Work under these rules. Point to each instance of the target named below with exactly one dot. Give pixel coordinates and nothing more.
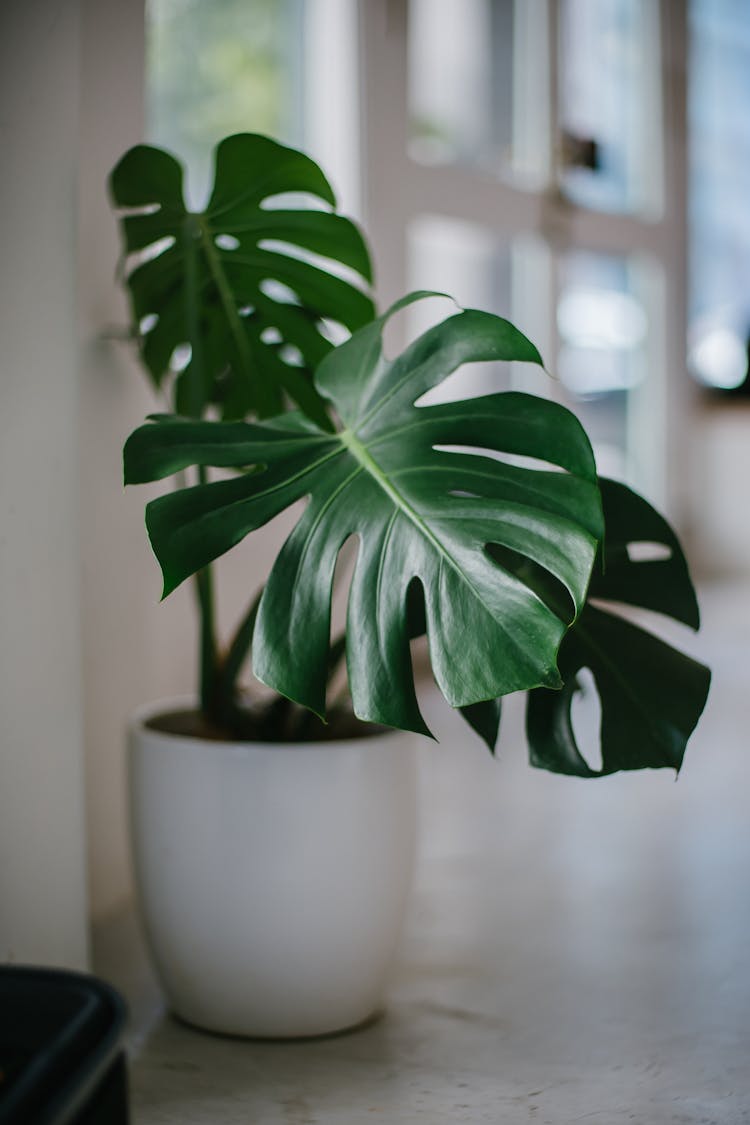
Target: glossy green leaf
(423, 515)
(651, 695)
(232, 285)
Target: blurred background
(580, 166)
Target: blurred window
(534, 182)
(461, 71)
(610, 137)
(478, 97)
(719, 285)
(603, 327)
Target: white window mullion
(680, 391)
(534, 91)
(385, 173)
(534, 299)
(330, 101)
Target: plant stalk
(208, 673)
(204, 588)
(228, 668)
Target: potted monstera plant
(273, 839)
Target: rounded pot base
(272, 877)
(260, 1037)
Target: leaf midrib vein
(363, 456)
(379, 580)
(227, 300)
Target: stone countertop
(575, 951)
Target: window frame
(396, 189)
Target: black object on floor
(61, 1055)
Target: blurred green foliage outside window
(215, 67)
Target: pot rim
(137, 724)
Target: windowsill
(573, 948)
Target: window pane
(719, 283)
(220, 67)
(603, 329)
(470, 101)
(609, 103)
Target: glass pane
(468, 89)
(603, 329)
(609, 104)
(471, 265)
(212, 69)
(719, 279)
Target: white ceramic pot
(273, 877)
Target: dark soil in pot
(277, 721)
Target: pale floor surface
(576, 951)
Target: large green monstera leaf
(230, 285)
(651, 695)
(422, 513)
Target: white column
(331, 96)
(42, 858)
(121, 618)
(383, 120)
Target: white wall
(82, 641)
(119, 583)
(42, 866)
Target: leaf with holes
(421, 514)
(235, 287)
(651, 694)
